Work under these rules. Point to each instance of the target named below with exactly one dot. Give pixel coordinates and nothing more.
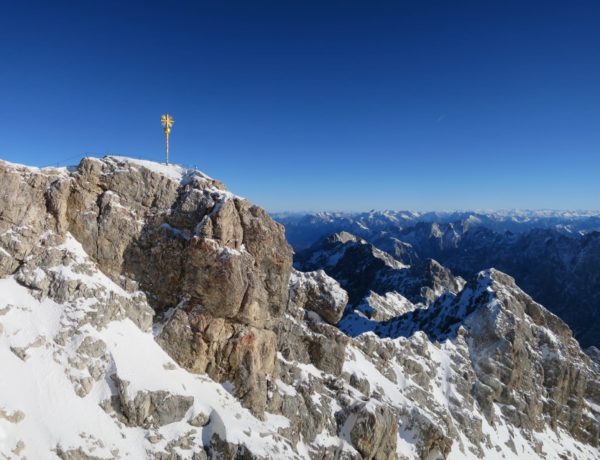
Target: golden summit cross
(167, 122)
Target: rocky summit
(146, 312)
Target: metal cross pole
(167, 122)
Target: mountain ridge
(150, 313)
(557, 266)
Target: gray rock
(152, 408)
(434, 361)
(372, 430)
(320, 293)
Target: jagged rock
(12, 416)
(152, 408)
(303, 335)
(201, 419)
(383, 307)
(23, 212)
(221, 449)
(434, 442)
(594, 354)
(18, 447)
(320, 293)
(361, 269)
(361, 384)
(326, 347)
(104, 262)
(180, 236)
(402, 251)
(227, 351)
(372, 430)
(92, 348)
(75, 454)
(523, 350)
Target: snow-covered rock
(320, 293)
(79, 377)
(146, 312)
(553, 255)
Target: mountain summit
(148, 312)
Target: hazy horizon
(441, 211)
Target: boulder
(151, 408)
(318, 292)
(372, 429)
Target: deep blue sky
(303, 105)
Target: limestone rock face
(469, 365)
(320, 293)
(372, 430)
(175, 235)
(306, 333)
(162, 315)
(23, 212)
(229, 352)
(152, 408)
(525, 351)
(179, 236)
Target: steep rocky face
(553, 256)
(557, 269)
(523, 368)
(402, 251)
(521, 346)
(525, 359)
(146, 312)
(361, 268)
(306, 333)
(181, 238)
(83, 376)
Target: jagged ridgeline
(147, 312)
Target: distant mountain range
(304, 229)
(553, 255)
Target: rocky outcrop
(181, 238)
(372, 430)
(152, 408)
(241, 355)
(161, 315)
(526, 364)
(527, 360)
(383, 307)
(361, 269)
(95, 258)
(303, 335)
(320, 293)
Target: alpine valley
(146, 312)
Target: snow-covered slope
(147, 312)
(81, 376)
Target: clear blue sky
(302, 105)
